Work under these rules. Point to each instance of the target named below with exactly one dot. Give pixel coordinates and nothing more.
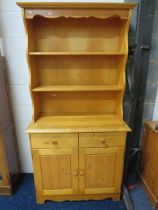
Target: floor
(24, 199)
(138, 196)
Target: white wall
(155, 114)
(12, 43)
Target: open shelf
(76, 36)
(78, 103)
(78, 53)
(97, 72)
(77, 88)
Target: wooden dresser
(77, 54)
(148, 169)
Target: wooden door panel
(101, 177)
(60, 176)
(100, 170)
(56, 171)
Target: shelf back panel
(76, 34)
(78, 70)
(78, 103)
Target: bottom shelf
(68, 124)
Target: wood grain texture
(109, 53)
(63, 5)
(69, 124)
(148, 162)
(54, 141)
(77, 35)
(105, 140)
(83, 71)
(65, 88)
(105, 174)
(78, 103)
(42, 198)
(83, 37)
(55, 169)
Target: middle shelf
(106, 53)
(50, 88)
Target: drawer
(46, 141)
(111, 139)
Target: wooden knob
(103, 141)
(54, 142)
(81, 172)
(75, 173)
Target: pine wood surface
(42, 198)
(69, 124)
(89, 37)
(148, 169)
(46, 5)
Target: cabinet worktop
(75, 124)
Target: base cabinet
(77, 166)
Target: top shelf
(77, 53)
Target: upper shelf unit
(77, 55)
(76, 36)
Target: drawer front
(46, 141)
(111, 139)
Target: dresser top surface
(68, 124)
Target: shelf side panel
(122, 79)
(31, 65)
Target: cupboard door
(100, 170)
(56, 171)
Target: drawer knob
(54, 142)
(103, 141)
(81, 172)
